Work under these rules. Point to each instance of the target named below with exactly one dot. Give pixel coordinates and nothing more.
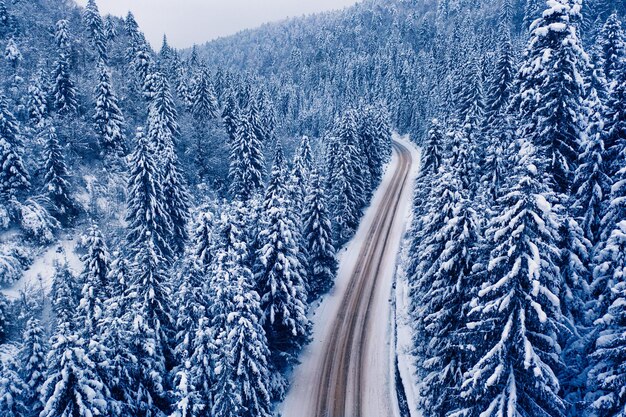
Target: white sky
(196, 21)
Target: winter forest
(171, 220)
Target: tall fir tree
(56, 184)
(108, 119)
(319, 244)
(517, 309)
(279, 274)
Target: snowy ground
(403, 326)
(380, 385)
(40, 273)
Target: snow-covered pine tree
(204, 104)
(242, 372)
(247, 163)
(14, 178)
(279, 273)
(551, 90)
(322, 259)
(148, 222)
(72, 386)
(446, 283)
(433, 153)
(12, 53)
(64, 294)
(13, 390)
(177, 199)
(612, 49)
(163, 126)
(94, 280)
(95, 29)
(62, 35)
(517, 309)
(614, 133)
(592, 185)
(605, 384)
(230, 116)
(38, 100)
(33, 366)
(108, 119)
(63, 88)
(56, 184)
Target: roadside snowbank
(404, 343)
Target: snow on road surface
(380, 383)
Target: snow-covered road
(347, 370)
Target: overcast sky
(196, 21)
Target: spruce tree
(108, 119)
(614, 133)
(319, 244)
(177, 200)
(230, 116)
(552, 117)
(33, 368)
(247, 163)
(146, 216)
(13, 391)
(72, 387)
(38, 100)
(64, 295)
(243, 374)
(278, 274)
(446, 282)
(204, 104)
(612, 49)
(63, 88)
(56, 176)
(517, 309)
(95, 28)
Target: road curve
(339, 387)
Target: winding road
(339, 385)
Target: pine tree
(204, 104)
(146, 216)
(72, 387)
(12, 53)
(607, 374)
(108, 119)
(95, 28)
(517, 308)
(63, 89)
(242, 369)
(95, 286)
(163, 127)
(278, 274)
(446, 282)
(56, 183)
(432, 155)
(38, 101)
(14, 179)
(247, 162)
(64, 294)
(318, 236)
(592, 185)
(62, 35)
(33, 369)
(177, 200)
(614, 133)
(230, 116)
(12, 391)
(612, 49)
(552, 116)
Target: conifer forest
(400, 208)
